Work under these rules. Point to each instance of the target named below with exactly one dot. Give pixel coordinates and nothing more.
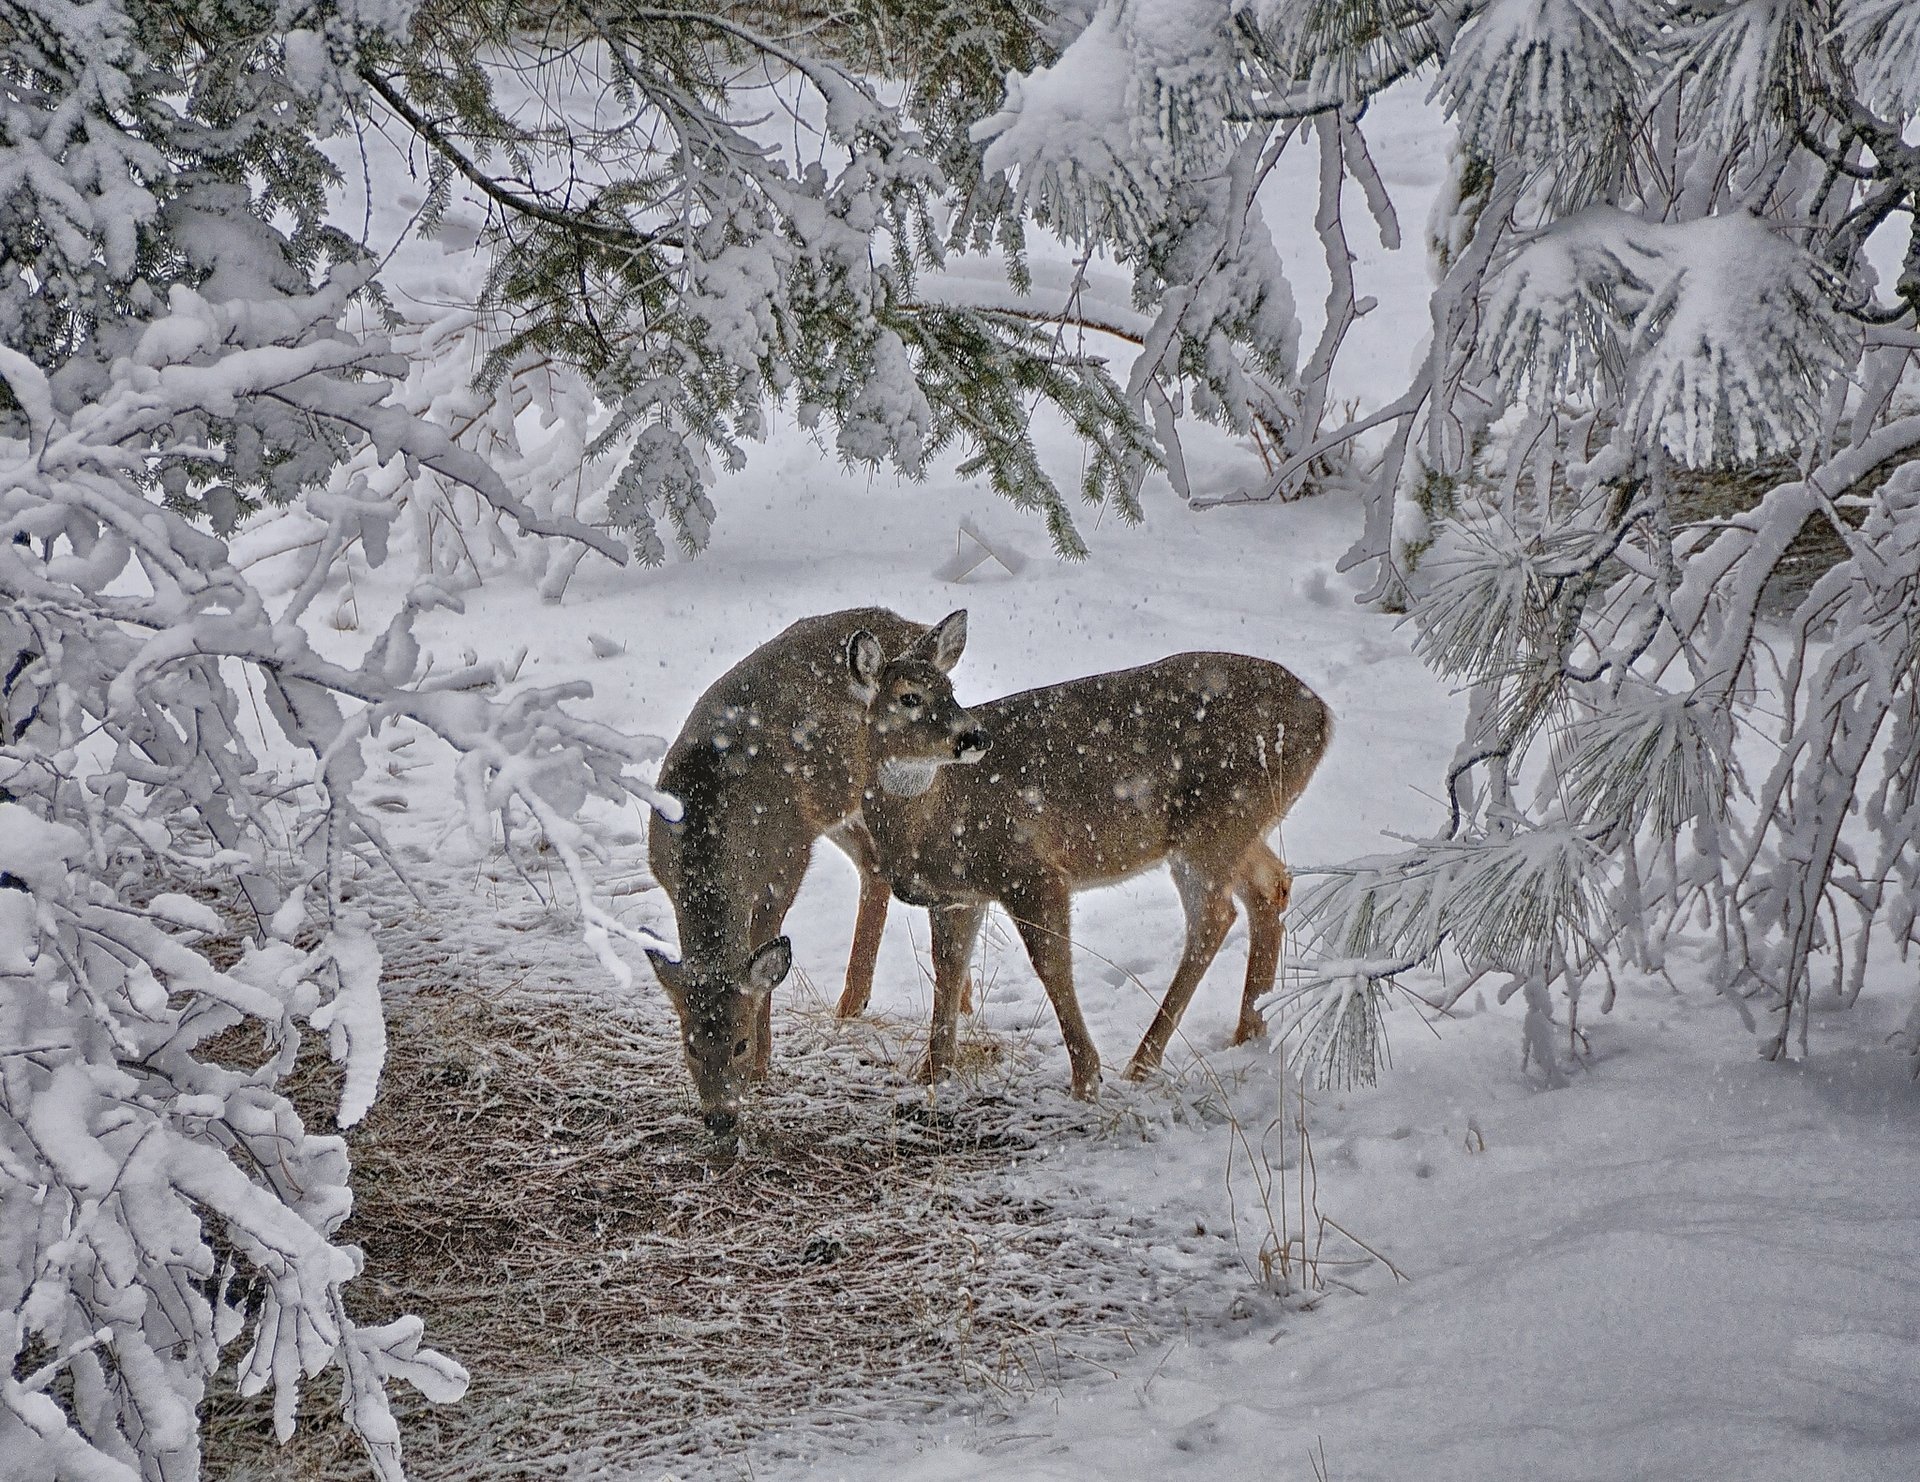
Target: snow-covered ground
(1685, 1263)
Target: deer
(1023, 801)
(769, 760)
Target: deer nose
(721, 1120)
(971, 745)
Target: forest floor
(1684, 1262)
(1680, 1263)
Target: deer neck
(900, 803)
(715, 915)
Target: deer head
(720, 1010)
(915, 726)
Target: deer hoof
(1146, 1059)
(1250, 1029)
(932, 1072)
(851, 1005)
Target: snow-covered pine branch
(1152, 134)
(1654, 285)
(1549, 84)
(1722, 338)
(175, 359)
(699, 262)
(1882, 41)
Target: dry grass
(534, 1182)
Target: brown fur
(770, 759)
(1191, 761)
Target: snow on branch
(1853, 707)
(158, 1208)
(1752, 72)
(1691, 701)
(1546, 82)
(1721, 335)
(1341, 52)
(1882, 42)
(1653, 760)
(1143, 136)
(1517, 902)
(1095, 140)
(1491, 594)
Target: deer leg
(857, 844)
(954, 930)
(1044, 917)
(1266, 887)
(1209, 907)
(769, 913)
(875, 893)
(867, 928)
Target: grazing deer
(769, 760)
(1191, 760)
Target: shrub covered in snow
(1652, 257)
(174, 310)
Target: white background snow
(1686, 1263)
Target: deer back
(1199, 755)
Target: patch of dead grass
(533, 1181)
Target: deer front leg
(868, 925)
(954, 930)
(867, 928)
(1044, 916)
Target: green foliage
(697, 272)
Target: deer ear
(768, 966)
(666, 970)
(865, 660)
(942, 644)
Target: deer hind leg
(1043, 915)
(1208, 900)
(954, 929)
(1265, 886)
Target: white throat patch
(907, 779)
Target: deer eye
(740, 1048)
(910, 701)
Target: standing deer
(1191, 760)
(770, 759)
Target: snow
(1677, 1267)
(1685, 1263)
(1681, 1263)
